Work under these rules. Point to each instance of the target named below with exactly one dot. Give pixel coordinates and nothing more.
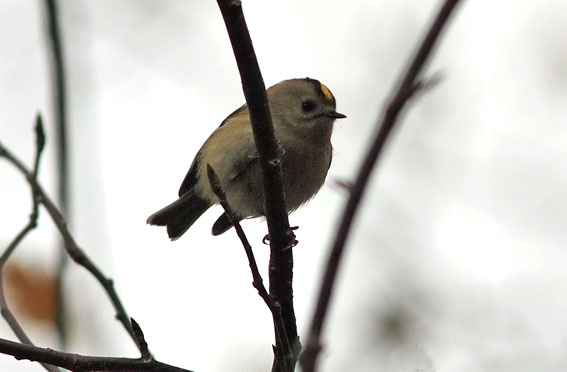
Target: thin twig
(40, 144)
(404, 91)
(71, 246)
(257, 280)
(281, 236)
(83, 363)
(59, 90)
(32, 223)
(141, 340)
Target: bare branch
(281, 236)
(141, 340)
(82, 363)
(32, 223)
(59, 89)
(40, 143)
(59, 96)
(39, 146)
(261, 120)
(51, 358)
(402, 93)
(71, 246)
(258, 282)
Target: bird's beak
(335, 115)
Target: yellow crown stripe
(326, 92)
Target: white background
(457, 259)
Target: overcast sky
(457, 259)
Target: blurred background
(457, 258)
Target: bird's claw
(266, 238)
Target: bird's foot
(266, 239)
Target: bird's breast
(304, 170)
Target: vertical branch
(59, 99)
(281, 237)
(407, 86)
(261, 120)
(258, 283)
(60, 102)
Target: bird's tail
(180, 215)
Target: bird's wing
(229, 127)
(191, 177)
(235, 113)
(244, 163)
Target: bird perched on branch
(303, 112)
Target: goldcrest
(303, 112)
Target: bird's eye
(308, 106)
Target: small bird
(303, 112)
